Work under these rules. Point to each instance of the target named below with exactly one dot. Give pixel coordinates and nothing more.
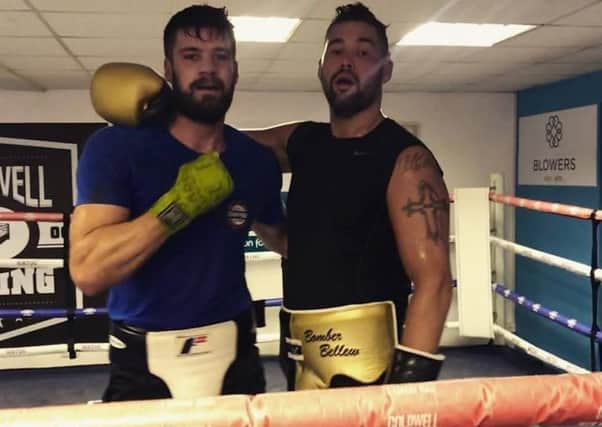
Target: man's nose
(207, 65)
(346, 62)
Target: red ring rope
(487, 402)
(548, 207)
(31, 216)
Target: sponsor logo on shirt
(237, 215)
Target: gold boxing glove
(128, 94)
(201, 185)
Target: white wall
(52, 106)
(472, 135)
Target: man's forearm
(275, 138)
(277, 242)
(426, 315)
(112, 253)
(274, 237)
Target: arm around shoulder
(273, 236)
(276, 138)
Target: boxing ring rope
(547, 207)
(592, 271)
(538, 353)
(548, 314)
(487, 402)
(262, 256)
(524, 345)
(52, 312)
(569, 265)
(546, 258)
(31, 263)
(15, 263)
(32, 216)
(570, 398)
(37, 350)
(542, 311)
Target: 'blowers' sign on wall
(559, 148)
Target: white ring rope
(273, 256)
(51, 349)
(31, 263)
(546, 258)
(532, 350)
(529, 348)
(538, 353)
(262, 256)
(543, 257)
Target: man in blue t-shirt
(163, 213)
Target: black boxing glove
(411, 365)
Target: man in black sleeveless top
(368, 215)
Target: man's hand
(200, 186)
(410, 365)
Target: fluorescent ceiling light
(254, 29)
(458, 34)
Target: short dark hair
(194, 19)
(360, 13)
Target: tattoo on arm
(431, 206)
(416, 161)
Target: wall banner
(559, 148)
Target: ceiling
(57, 44)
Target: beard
(210, 109)
(355, 100)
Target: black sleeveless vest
(341, 247)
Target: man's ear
(235, 71)
(319, 69)
(387, 69)
(168, 69)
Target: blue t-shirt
(197, 276)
